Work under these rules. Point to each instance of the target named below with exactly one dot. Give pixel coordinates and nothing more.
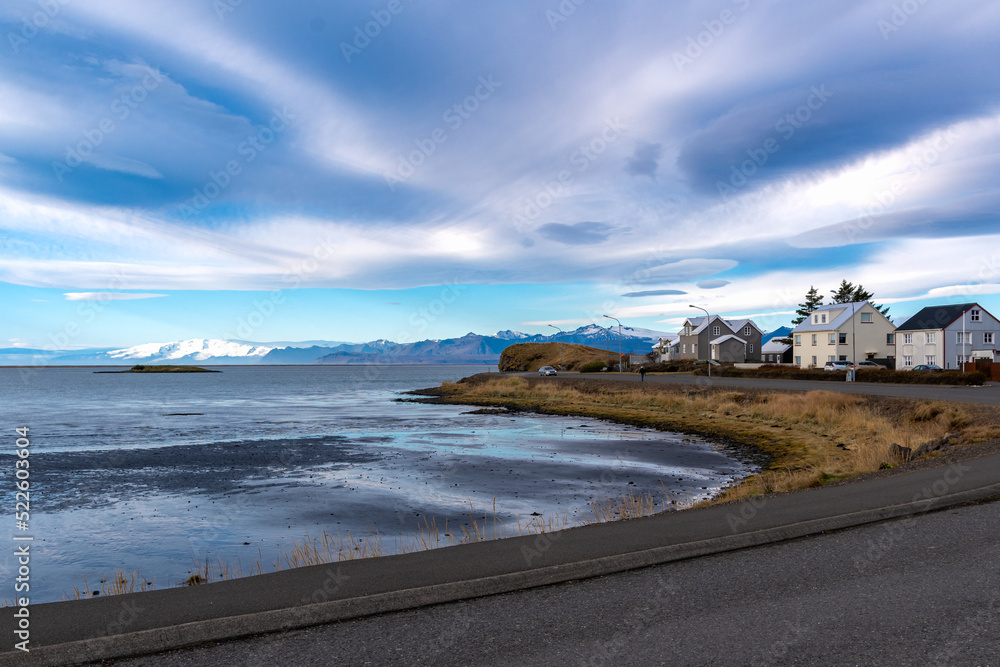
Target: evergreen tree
(813, 301)
(851, 293)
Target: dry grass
(812, 437)
(119, 583)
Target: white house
(667, 348)
(843, 332)
(948, 335)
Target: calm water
(153, 471)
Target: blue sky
(406, 170)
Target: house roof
(774, 347)
(700, 323)
(834, 324)
(936, 317)
(723, 339)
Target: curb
(235, 627)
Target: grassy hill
(532, 356)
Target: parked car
(547, 370)
(927, 367)
(838, 366)
(871, 365)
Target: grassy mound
(141, 368)
(523, 357)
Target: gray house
(948, 335)
(720, 339)
(776, 352)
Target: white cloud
(108, 296)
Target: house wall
(731, 351)
(869, 340)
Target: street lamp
(620, 364)
(560, 345)
(707, 318)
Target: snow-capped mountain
(471, 348)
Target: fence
(991, 369)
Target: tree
(851, 293)
(813, 301)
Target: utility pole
(708, 319)
(620, 364)
(560, 346)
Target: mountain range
(469, 349)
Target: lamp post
(707, 318)
(560, 346)
(620, 364)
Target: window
(843, 339)
(988, 338)
(694, 348)
(747, 331)
(907, 361)
(751, 348)
(814, 339)
(974, 315)
(866, 318)
(814, 361)
(930, 359)
(684, 348)
(815, 319)
(823, 318)
(962, 360)
(832, 339)
(832, 357)
(843, 357)
(930, 338)
(716, 330)
(798, 361)
(798, 339)
(907, 339)
(963, 338)
(890, 339)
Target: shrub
(593, 367)
(864, 375)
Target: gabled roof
(850, 308)
(936, 317)
(700, 323)
(723, 339)
(773, 346)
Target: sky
(408, 169)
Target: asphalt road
(987, 395)
(923, 590)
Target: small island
(140, 368)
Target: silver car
(547, 370)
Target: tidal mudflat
(159, 496)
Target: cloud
(108, 296)
(683, 271)
(656, 292)
(712, 284)
(580, 233)
(124, 165)
(644, 161)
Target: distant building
(776, 352)
(667, 348)
(841, 331)
(720, 339)
(948, 335)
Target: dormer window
(974, 315)
(823, 318)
